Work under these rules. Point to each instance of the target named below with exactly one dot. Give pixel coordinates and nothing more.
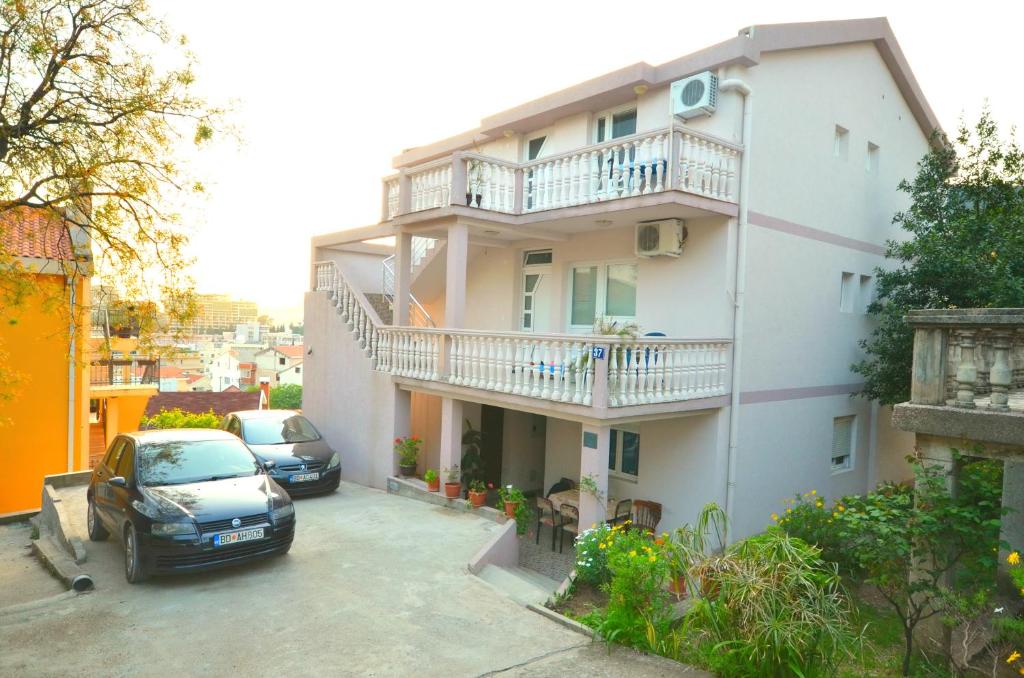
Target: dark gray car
(303, 461)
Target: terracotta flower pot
(452, 490)
(510, 508)
(434, 485)
(477, 498)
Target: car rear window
(192, 461)
(292, 428)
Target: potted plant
(474, 182)
(472, 463)
(433, 480)
(477, 493)
(452, 486)
(511, 497)
(408, 451)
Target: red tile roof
(292, 351)
(204, 401)
(33, 232)
(170, 372)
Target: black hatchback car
(303, 461)
(187, 499)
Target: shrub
(773, 607)
(178, 418)
(638, 602)
(286, 397)
(592, 555)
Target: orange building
(44, 392)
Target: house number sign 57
(597, 352)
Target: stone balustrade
(671, 158)
(968, 358)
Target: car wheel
(132, 562)
(96, 530)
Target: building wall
(34, 421)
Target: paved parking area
(22, 580)
(375, 585)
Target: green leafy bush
(592, 555)
(286, 397)
(178, 418)
(638, 601)
(771, 607)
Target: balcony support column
(403, 278)
(594, 463)
(451, 436)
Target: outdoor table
(572, 498)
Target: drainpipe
(743, 88)
(71, 379)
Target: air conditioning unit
(660, 238)
(695, 95)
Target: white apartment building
(733, 204)
(223, 370)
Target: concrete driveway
(375, 585)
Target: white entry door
(535, 313)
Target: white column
(403, 278)
(451, 435)
(594, 463)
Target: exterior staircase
(381, 305)
(524, 586)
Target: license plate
(237, 537)
(303, 477)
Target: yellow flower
(819, 504)
(775, 517)
(835, 515)
(1013, 558)
(593, 525)
(1013, 657)
(789, 510)
(829, 521)
(601, 545)
(814, 492)
(841, 508)
(652, 559)
(632, 554)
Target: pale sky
(326, 93)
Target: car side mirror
(269, 465)
(118, 481)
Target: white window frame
(601, 293)
(531, 269)
(851, 458)
(617, 472)
(608, 114)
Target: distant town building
(222, 313)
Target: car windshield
(288, 428)
(191, 461)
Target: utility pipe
(72, 364)
(735, 84)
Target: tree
(95, 100)
(286, 397)
(966, 250)
(297, 328)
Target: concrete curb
(55, 559)
(18, 517)
(570, 624)
(53, 518)
(17, 613)
(414, 488)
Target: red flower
(490, 486)
(398, 441)
(415, 439)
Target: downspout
(743, 88)
(71, 379)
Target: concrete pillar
(110, 424)
(403, 278)
(594, 463)
(1012, 524)
(451, 435)
(457, 255)
(402, 422)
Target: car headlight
(335, 460)
(282, 512)
(171, 529)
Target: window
(871, 165)
(280, 361)
(841, 143)
(125, 465)
(534, 148)
(847, 293)
(110, 460)
(298, 370)
(602, 290)
(624, 452)
(614, 124)
(867, 292)
(842, 443)
(536, 257)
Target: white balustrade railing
(707, 166)
(625, 167)
(351, 305)
(673, 158)
(431, 186)
(490, 184)
(655, 370)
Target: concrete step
(523, 586)
(380, 305)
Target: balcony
(583, 376)
(134, 374)
(968, 375)
(675, 158)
